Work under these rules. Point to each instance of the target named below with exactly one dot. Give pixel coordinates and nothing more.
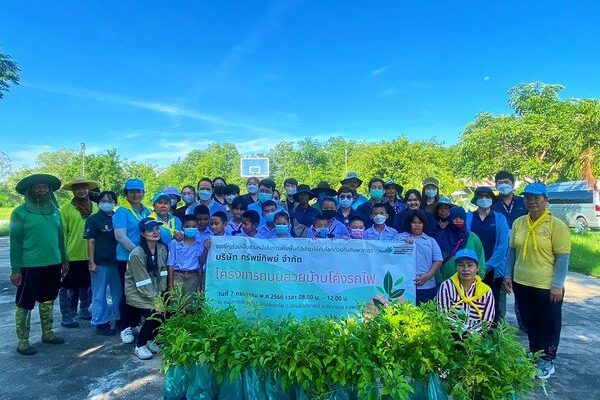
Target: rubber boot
(85, 299)
(46, 318)
(23, 324)
(66, 309)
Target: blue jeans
(106, 276)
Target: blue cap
(161, 196)
(172, 191)
(536, 189)
(351, 176)
(134, 184)
(466, 253)
(148, 223)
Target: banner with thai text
(307, 278)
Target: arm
(62, 240)
(498, 259)
(91, 245)
(561, 246)
(489, 310)
(17, 230)
(121, 236)
(204, 255)
(171, 266)
(510, 266)
(478, 248)
(141, 278)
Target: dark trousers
(542, 318)
(129, 317)
(38, 284)
(425, 295)
(495, 285)
(150, 326)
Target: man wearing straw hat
(37, 253)
(75, 288)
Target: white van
(575, 203)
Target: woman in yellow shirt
(537, 265)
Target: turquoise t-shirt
(125, 219)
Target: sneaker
(152, 346)
(127, 336)
(545, 369)
(142, 353)
(70, 324)
(52, 339)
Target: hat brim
(399, 188)
(24, 184)
(89, 183)
(330, 192)
(474, 199)
(467, 258)
(308, 192)
(345, 181)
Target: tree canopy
(9, 73)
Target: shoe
(142, 353)
(127, 336)
(153, 347)
(136, 330)
(546, 369)
(53, 339)
(27, 351)
(105, 330)
(70, 324)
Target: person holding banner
(183, 259)
(379, 230)
(326, 225)
(455, 238)
(125, 224)
(303, 214)
(428, 254)
(234, 225)
(282, 225)
(465, 291)
(145, 281)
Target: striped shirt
(450, 301)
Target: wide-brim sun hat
(430, 180)
(391, 182)
(303, 189)
(24, 184)
(351, 176)
(482, 190)
(443, 200)
(323, 187)
(81, 181)
(172, 191)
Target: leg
(46, 295)
(550, 322)
(114, 282)
(525, 301)
(99, 280)
(65, 301)
(25, 301)
(502, 302)
(122, 267)
(148, 331)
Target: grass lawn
(585, 254)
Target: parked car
(576, 203)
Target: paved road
(95, 367)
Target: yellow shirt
(536, 269)
(73, 225)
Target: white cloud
(487, 78)
(380, 70)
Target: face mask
(270, 217)
(204, 194)
(229, 198)
(190, 232)
(252, 189)
(377, 193)
(345, 203)
(322, 232)
(173, 202)
(430, 193)
(379, 219)
(106, 207)
(328, 214)
(484, 203)
(188, 198)
(219, 190)
(290, 191)
(282, 229)
(459, 225)
(505, 189)
(262, 197)
(357, 233)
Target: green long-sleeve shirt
(449, 267)
(36, 240)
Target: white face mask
(106, 206)
(484, 203)
(379, 219)
(505, 189)
(431, 193)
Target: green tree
(9, 73)
(106, 169)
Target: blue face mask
(262, 197)
(322, 232)
(505, 189)
(188, 198)
(282, 229)
(190, 232)
(270, 217)
(252, 189)
(345, 203)
(379, 219)
(106, 207)
(377, 193)
(431, 193)
(204, 194)
(229, 198)
(484, 203)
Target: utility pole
(82, 159)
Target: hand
(178, 236)
(92, 267)
(207, 244)
(422, 278)
(15, 278)
(556, 294)
(508, 285)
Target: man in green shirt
(37, 253)
(75, 288)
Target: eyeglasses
(345, 196)
(155, 228)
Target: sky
(156, 79)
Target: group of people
(466, 261)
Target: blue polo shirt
(337, 230)
(233, 229)
(265, 233)
(514, 210)
(213, 207)
(366, 209)
(386, 234)
(359, 201)
(124, 219)
(184, 257)
(258, 208)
